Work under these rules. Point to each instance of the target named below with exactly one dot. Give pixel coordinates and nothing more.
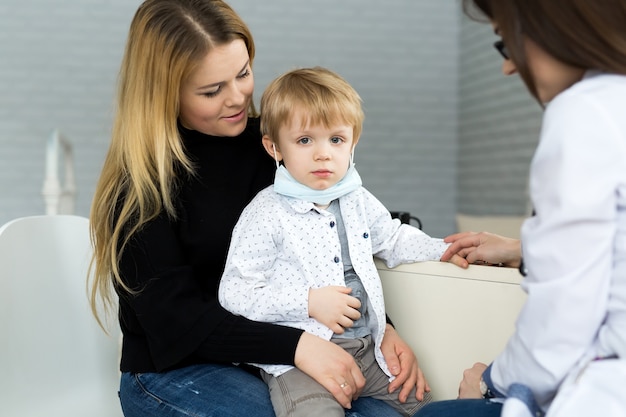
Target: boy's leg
(377, 384)
(295, 394)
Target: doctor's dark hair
(586, 34)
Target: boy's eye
(304, 141)
(336, 139)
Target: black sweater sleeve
(172, 320)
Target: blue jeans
(461, 408)
(212, 390)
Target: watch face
(483, 387)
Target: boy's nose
(322, 154)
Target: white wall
(60, 59)
(498, 129)
(401, 56)
(58, 64)
(444, 130)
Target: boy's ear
(270, 146)
(354, 143)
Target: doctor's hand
(333, 307)
(483, 248)
(470, 385)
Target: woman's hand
(470, 385)
(331, 366)
(483, 247)
(403, 365)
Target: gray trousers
(296, 394)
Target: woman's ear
(271, 148)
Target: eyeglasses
(500, 47)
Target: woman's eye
(304, 141)
(211, 93)
(245, 74)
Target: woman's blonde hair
(323, 96)
(166, 42)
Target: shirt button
(336, 259)
(332, 224)
(365, 235)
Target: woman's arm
(178, 317)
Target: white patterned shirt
(282, 246)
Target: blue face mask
(286, 185)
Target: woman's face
(550, 75)
(214, 99)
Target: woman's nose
(508, 67)
(235, 97)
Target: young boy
(302, 252)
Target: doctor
(568, 354)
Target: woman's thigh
(200, 390)
(461, 408)
(213, 391)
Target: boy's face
(315, 156)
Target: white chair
(54, 358)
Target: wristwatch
(484, 389)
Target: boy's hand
(333, 307)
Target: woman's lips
(236, 117)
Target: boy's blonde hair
(323, 96)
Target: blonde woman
(185, 158)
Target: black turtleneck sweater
(176, 319)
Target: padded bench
(452, 317)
